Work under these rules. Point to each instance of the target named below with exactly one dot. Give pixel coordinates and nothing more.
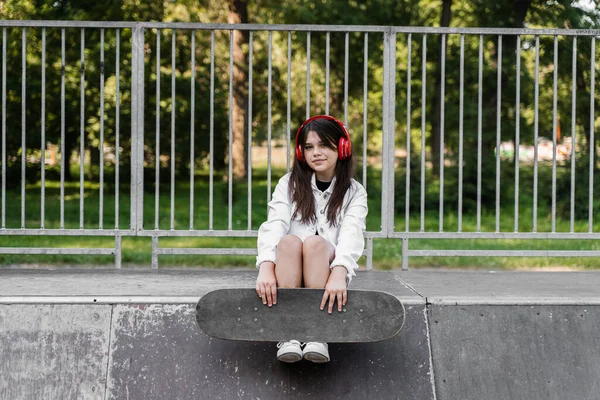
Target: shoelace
(281, 344)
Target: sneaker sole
(289, 357)
(315, 357)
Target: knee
(290, 244)
(315, 245)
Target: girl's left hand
(335, 289)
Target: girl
(314, 232)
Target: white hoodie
(346, 236)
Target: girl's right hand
(266, 284)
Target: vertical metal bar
(390, 133)
(327, 59)
(554, 106)
(442, 127)
(405, 254)
(592, 138)
(365, 108)
(307, 75)
(461, 114)
(249, 119)
(212, 132)
(573, 133)
(154, 252)
(137, 129)
(269, 113)
(118, 251)
(3, 128)
(346, 51)
(535, 131)
(117, 126)
(385, 132)
(408, 137)
(140, 128)
(498, 130)
(135, 53)
(479, 129)
(173, 107)
(43, 135)
(62, 129)
(369, 254)
(23, 120)
(82, 131)
(192, 129)
(423, 127)
(157, 137)
(230, 161)
(517, 132)
(289, 100)
(101, 149)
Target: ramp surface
(119, 334)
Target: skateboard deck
(239, 314)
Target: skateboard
(239, 314)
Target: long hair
(300, 190)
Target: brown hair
(300, 190)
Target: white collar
(313, 183)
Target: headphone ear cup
(344, 149)
(299, 155)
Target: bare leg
(288, 270)
(317, 254)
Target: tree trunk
(437, 100)
(238, 13)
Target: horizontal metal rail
(299, 28)
(57, 251)
(503, 253)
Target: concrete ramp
(157, 352)
(132, 335)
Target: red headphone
(344, 145)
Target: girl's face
(320, 157)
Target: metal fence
(440, 118)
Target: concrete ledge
(54, 351)
(516, 352)
(132, 334)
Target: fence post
(405, 254)
(389, 119)
(137, 129)
(155, 252)
(118, 250)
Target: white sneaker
(316, 352)
(289, 352)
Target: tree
(238, 14)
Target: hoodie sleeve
(351, 241)
(277, 224)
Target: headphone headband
(344, 144)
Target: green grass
(136, 251)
